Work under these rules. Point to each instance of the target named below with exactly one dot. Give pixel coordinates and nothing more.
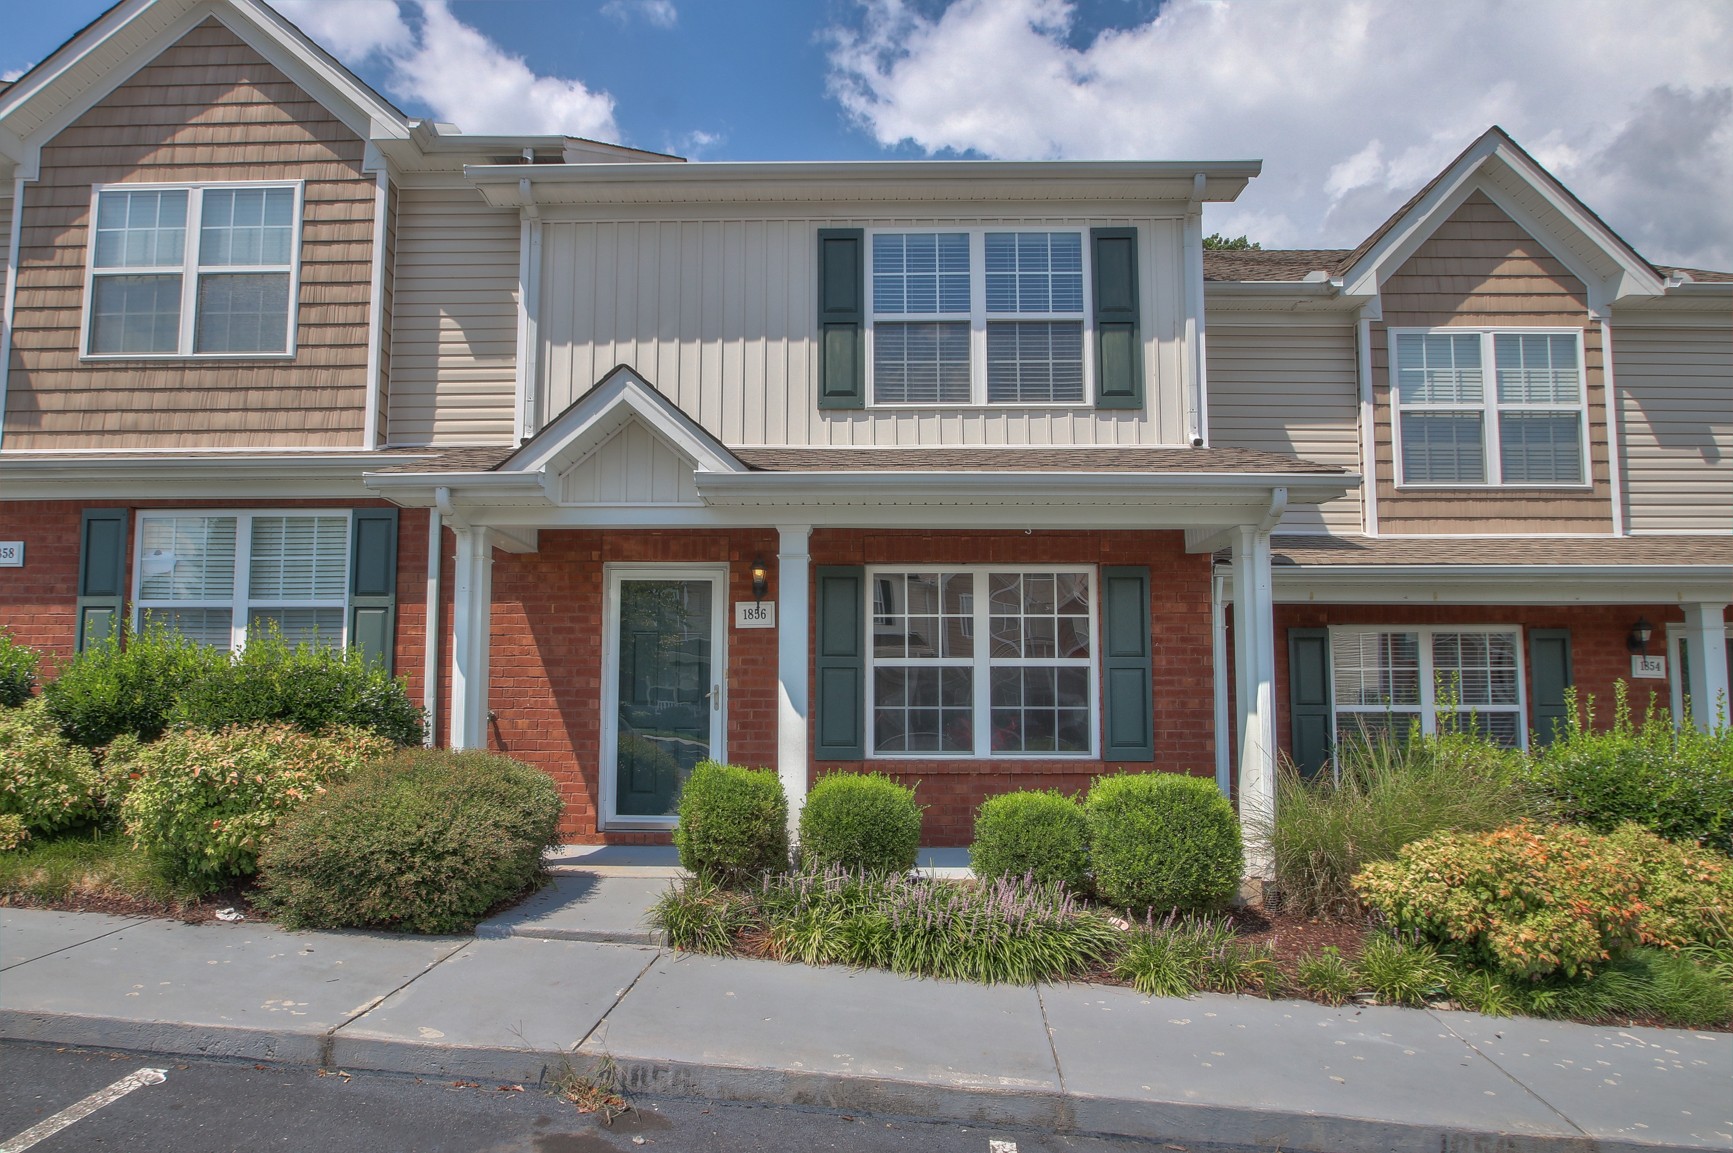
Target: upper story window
(198, 270)
(982, 662)
(983, 317)
(217, 578)
(1522, 424)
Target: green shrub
(18, 665)
(47, 782)
(1527, 900)
(1687, 892)
(1644, 982)
(860, 821)
(311, 687)
(1163, 841)
(733, 823)
(13, 834)
(117, 767)
(1676, 782)
(204, 801)
(425, 842)
(1383, 794)
(1041, 835)
(128, 687)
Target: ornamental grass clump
(860, 822)
(204, 802)
(733, 823)
(1179, 956)
(1163, 841)
(425, 842)
(1039, 835)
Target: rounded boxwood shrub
(425, 842)
(114, 688)
(203, 802)
(1163, 841)
(733, 823)
(860, 821)
(46, 782)
(1035, 834)
(312, 687)
(18, 664)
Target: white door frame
(612, 574)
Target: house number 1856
(754, 614)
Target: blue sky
(1352, 104)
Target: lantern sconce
(760, 580)
(1638, 641)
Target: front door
(665, 669)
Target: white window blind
(1384, 681)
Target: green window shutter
(1549, 661)
(1118, 349)
(841, 318)
(1309, 698)
(373, 583)
(101, 575)
(1127, 698)
(841, 690)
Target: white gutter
(941, 487)
(1615, 473)
(376, 311)
(1197, 420)
(1368, 428)
(11, 295)
(430, 645)
(1219, 679)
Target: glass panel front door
(667, 717)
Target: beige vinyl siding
(634, 466)
(720, 316)
(1675, 388)
(1480, 269)
(454, 320)
(209, 108)
(1294, 389)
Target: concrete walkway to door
(522, 1002)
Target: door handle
(714, 696)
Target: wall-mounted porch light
(1638, 641)
(760, 579)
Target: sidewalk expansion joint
(76, 944)
(618, 998)
(1514, 1079)
(1052, 1045)
(328, 1041)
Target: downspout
(11, 295)
(1197, 420)
(1615, 470)
(1368, 431)
(529, 309)
(430, 653)
(1219, 662)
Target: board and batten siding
(209, 108)
(454, 320)
(720, 315)
(1289, 388)
(1480, 269)
(1675, 387)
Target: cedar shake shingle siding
(208, 109)
(1480, 269)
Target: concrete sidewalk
(517, 1003)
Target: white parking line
(1001, 1147)
(43, 1130)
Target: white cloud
(692, 145)
(13, 74)
(660, 13)
(457, 73)
(1352, 105)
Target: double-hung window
(1386, 680)
(1490, 408)
(217, 578)
(982, 662)
(981, 317)
(199, 270)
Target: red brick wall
(38, 602)
(545, 682)
(951, 790)
(1598, 654)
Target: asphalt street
(218, 1107)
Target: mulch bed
(196, 912)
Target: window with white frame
(981, 317)
(217, 578)
(937, 689)
(1386, 680)
(197, 270)
(1522, 424)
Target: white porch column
(1705, 626)
(472, 616)
(793, 591)
(1255, 688)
